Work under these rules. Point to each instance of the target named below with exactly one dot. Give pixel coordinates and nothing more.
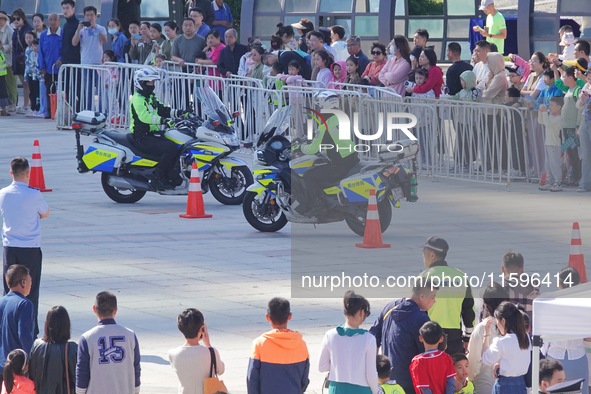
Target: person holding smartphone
(192, 361)
(90, 36)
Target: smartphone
(86, 24)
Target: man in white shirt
(481, 68)
(91, 37)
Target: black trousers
(73, 88)
(34, 93)
(30, 258)
(166, 149)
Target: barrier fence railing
(466, 140)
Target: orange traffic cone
(576, 259)
(37, 180)
(373, 231)
(195, 207)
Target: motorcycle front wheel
(265, 217)
(122, 196)
(357, 222)
(230, 191)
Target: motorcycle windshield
(277, 124)
(213, 107)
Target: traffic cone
(373, 231)
(195, 207)
(576, 259)
(37, 180)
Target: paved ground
(159, 264)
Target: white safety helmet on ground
(147, 74)
(326, 100)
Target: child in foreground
(433, 371)
(463, 385)
(280, 362)
(387, 385)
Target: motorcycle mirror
(236, 114)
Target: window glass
(573, 7)
(458, 28)
(300, 5)
(367, 5)
(265, 25)
(544, 27)
(460, 7)
(433, 26)
(267, 6)
(400, 10)
(151, 9)
(400, 27)
(545, 46)
(366, 26)
(336, 6)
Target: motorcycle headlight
(231, 139)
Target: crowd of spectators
(325, 57)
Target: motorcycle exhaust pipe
(128, 183)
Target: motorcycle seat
(357, 167)
(126, 139)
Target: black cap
(569, 386)
(437, 244)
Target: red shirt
(431, 370)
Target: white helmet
(145, 75)
(326, 100)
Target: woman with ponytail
(15, 371)
(511, 350)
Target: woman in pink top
(395, 71)
(212, 51)
(428, 61)
(372, 71)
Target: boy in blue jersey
(108, 354)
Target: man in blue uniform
(21, 208)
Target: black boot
(158, 180)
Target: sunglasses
(376, 53)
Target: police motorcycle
(127, 172)
(271, 201)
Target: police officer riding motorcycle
(147, 114)
(341, 158)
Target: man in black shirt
(420, 39)
(284, 58)
(452, 77)
(70, 52)
(231, 54)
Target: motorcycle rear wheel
(122, 196)
(254, 214)
(357, 222)
(231, 191)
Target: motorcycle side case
(406, 149)
(91, 121)
(356, 187)
(102, 157)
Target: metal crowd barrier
(465, 140)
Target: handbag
(213, 384)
